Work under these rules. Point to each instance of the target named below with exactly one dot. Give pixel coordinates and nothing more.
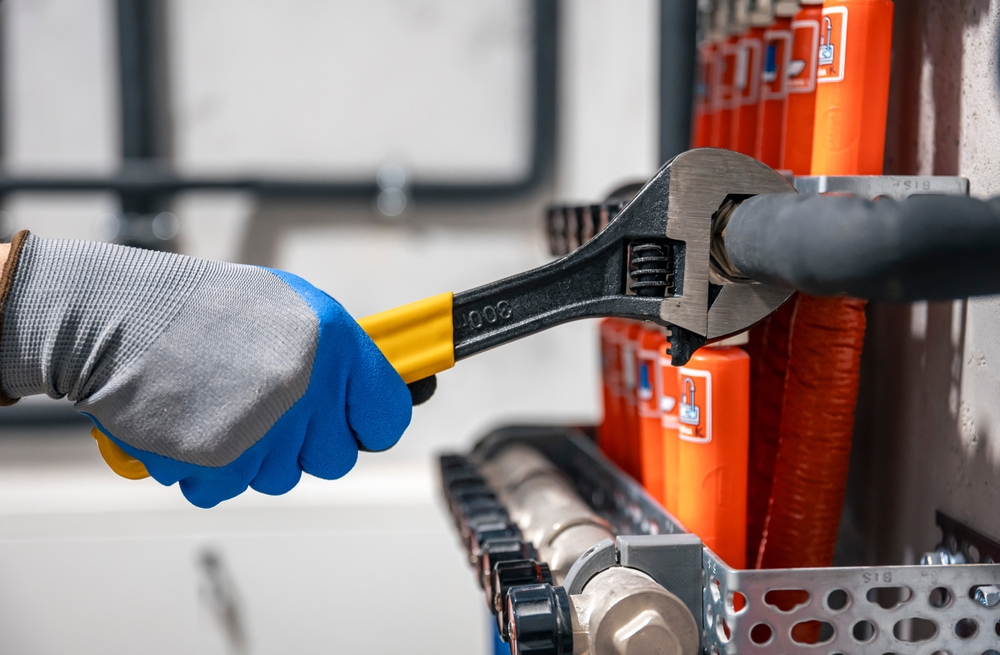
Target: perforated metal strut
(904, 610)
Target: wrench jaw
(660, 240)
(708, 307)
(691, 191)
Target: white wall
(324, 568)
(928, 434)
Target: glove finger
(422, 390)
(329, 450)
(279, 471)
(379, 404)
(207, 491)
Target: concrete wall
(928, 427)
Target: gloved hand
(214, 375)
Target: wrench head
(684, 201)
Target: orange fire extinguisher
(650, 389)
(774, 88)
(723, 107)
(802, 69)
(705, 79)
(669, 425)
(852, 98)
(610, 430)
(714, 421)
(629, 457)
(746, 89)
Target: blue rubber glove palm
(216, 376)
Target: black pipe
(137, 82)
(922, 248)
(678, 60)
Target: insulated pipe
(543, 504)
(622, 611)
(922, 248)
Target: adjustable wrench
(654, 261)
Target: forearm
(9, 253)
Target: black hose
(923, 248)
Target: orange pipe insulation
(827, 334)
(817, 421)
(769, 361)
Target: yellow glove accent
(120, 462)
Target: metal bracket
(673, 561)
(908, 610)
(598, 557)
(889, 186)
(971, 544)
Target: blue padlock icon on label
(826, 49)
(689, 412)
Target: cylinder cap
(540, 621)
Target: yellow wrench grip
(417, 339)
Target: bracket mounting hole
(761, 634)
(863, 631)
(837, 600)
(889, 597)
(812, 632)
(940, 597)
(914, 630)
(787, 600)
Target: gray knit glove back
(212, 374)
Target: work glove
(213, 375)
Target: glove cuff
(6, 284)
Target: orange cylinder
(610, 431)
(800, 114)
(701, 134)
(668, 398)
(723, 106)
(650, 389)
(852, 97)
(746, 90)
(630, 452)
(774, 93)
(714, 424)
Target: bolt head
(988, 595)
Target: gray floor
(92, 563)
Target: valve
(540, 622)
